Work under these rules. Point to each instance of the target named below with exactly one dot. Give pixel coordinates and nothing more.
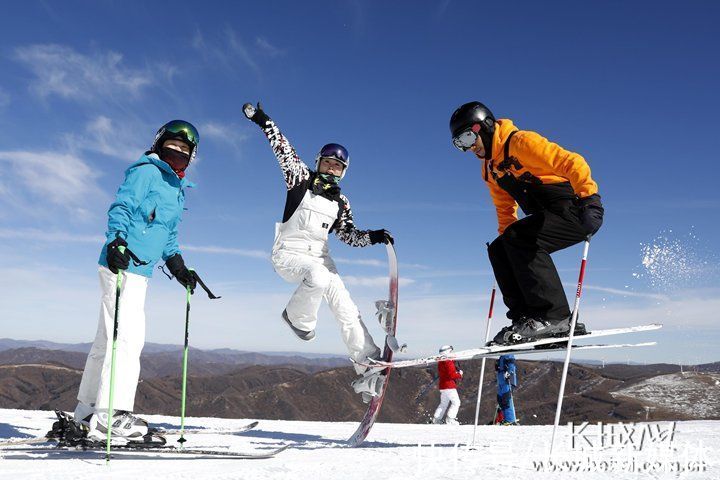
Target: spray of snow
(674, 260)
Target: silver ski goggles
(465, 139)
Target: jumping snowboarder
(314, 207)
(448, 374)
(143, 220)
(555, 190)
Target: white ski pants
(95, 384)
(318, 279)
(450, 402)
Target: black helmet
(177, 129)
(471, 114)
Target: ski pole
(578, 293)
(182, 440)
(482, 365)
(188, 292)
(118, 288)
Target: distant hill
(236, 385)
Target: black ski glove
(182, 274)
(256, 114)
(381, 236)
(591, 213)
(117, 260)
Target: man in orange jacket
(554, 189)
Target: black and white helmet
(445, 349)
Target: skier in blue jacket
(144, 218)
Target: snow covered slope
(689, 392)
(319, 451)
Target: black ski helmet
(470, 114)
(180, 130)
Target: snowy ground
(391, 451)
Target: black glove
(381, 236)
(256, 114)
(591, 213)
(182, 274)
(117, 260)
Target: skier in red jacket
(449, 399)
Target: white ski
(518, 349)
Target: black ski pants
(523, 268)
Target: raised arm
(293, 169)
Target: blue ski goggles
(336, 152)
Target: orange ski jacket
(537, 170)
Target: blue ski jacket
(146, 213)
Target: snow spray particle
(672, 261)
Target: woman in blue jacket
(143, 218)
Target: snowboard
(387, 315)
(546, 344)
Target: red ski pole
(570, 340)
(482, 366)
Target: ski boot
(508, 335)
(127, 429)
(530, 329)
(451, 421)
(301, 334)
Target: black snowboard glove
(182, 274)
(117, 260)
(256, 114)
(591, 213)
(381, 236)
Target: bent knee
(318, 277)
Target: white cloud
(624, 293)
(112, 138)
(229, 50)
(230, 133)
(366, 263)
(226, 251)
(38, 235)
(358, 281)
(267, 48)
(49, 179)
(35, 234)
(62, 71)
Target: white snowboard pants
(318, 279)
(450, 402)
(95, 384)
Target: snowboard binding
(386, 317)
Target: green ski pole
(184, 367)
(118, 288)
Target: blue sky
(632, 86)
